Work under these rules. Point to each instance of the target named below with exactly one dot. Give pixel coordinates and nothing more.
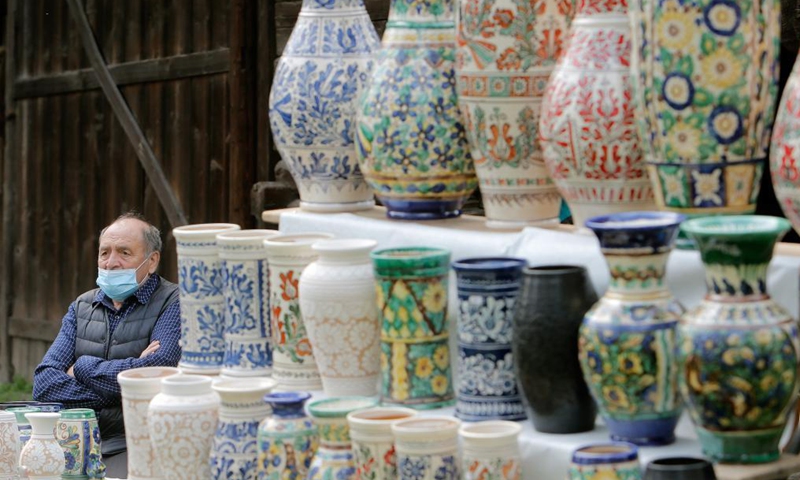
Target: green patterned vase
(738, 348)
(78, 434)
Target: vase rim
(409, 254)
(145, 375)
(344, 245)
(377, 415)
(546, 270)
(605, 452)
(736, 226)
(490, 430)
(203, 229)
(643, 220)
(286, 398)
(236, 236)
(43, 415)
(431, 426)
(669, 464)
(488, 263)
(339, 407)
(186, 384)
(7, 416)
(244, 385)
(293, 240)
(78, 414)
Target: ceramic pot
(245, 285)
(607, 461)
(78, 434)
(506, 53)
(679, 468)
(42, 457)
(739, 349)
(182, 420)
(9, 446)
(22, 423)
(293, 362)
(491, 450)
(234, 451)
(548, 315)
(288, 439)
(139, 386)
(415, 351)
(487, 293)
(706, 82)
(337, 298)
(373, 441)
(312, 106)
(334, 458)
(588, 130)
(627, 345)
(412, 146)
(427, 448)
(201, 296)
(784, 151)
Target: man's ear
(155, 259)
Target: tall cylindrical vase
(491, 450)
(373, 441)
(337, 298)
(78, 434)
(427, 448)
(288, 439)
(9, 446)
(412, 146)
(739, 348)
(139, 386)
(487, 293)
(293, 363)
(201, 296)
(245, 285)
(42, 457)
(506, 53)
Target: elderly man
(131, 321)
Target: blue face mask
(119, 284)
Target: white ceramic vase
(293, 362)
(9, 446)
(202, 300)
(182, 420)
(139, 386)
(337, 298)
(245, 285)
(427, 448)
(42, 457)
(491, 450)
(373, 441)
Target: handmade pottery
(605, 461)
(78, 434)
(373, 441)
(784, 152)
(9, 446)
(679, 468)
(42, 457)
(22, 423)
(288, 439)
(739, 349)
(427, 448)
(491, 450)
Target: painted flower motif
(616, 398)
(435, 298)
(673, 184)
(707, 186)
(678, 91)
(288, 285)
(441, 357)
(721, 68)
(684, 139)
(630, 363)
(400, 291)
(412, 468)
(725, 124)
(439, 385)
(424, 367)
(675, 29)
(303, 348)
(722, 17)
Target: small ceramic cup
(606, 461)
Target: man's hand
(71, 372)
(151, 349)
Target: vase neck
(601, 7)
(288, 410)
(637, 275)
(429, 12)
(736, 282)
(321, 6)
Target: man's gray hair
(152, 235)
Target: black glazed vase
(549, 312)
(680, 468)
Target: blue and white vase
(202, 301)
(427, 448)
(287, 440)
(234, 450)
(487, 294)
(312, 105)
(245, 285)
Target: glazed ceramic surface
(411, 292)
(491, 451)
(427, 448)
(288, 439)
(785, 150)
(9, 446)
(680, 468)
(373, 441)
(506, 52)
(412, 146)
(78, 434)
(337, 298)
(605, 461)
(201, 296)
(23, 424)
(627, 344)
(739, 349)
(42, 457)
(487, 296)
(706, 82)
(321, 74)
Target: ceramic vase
(706, 83)
(234, 450)
(739, 349)
(627, 344)
(324, 68)
(245, 286)
(491, 450)
(548, 316)
(427, 448)
(78, 434)
(337, 298)
(373, 441)
(588, 131)
(23, 424)
(293, 362)
(139, 386)
(605, 461)
(287, 440)
(334, 458)
(42, 457)
(680, 468)
(487, 294)
(9, 446)
(411, 293)
(201, 296)
(182, 420)
(784, 151)
(412, 145)
(506, 52)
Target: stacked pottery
(487, 294)
(412, 146)
(785, 150)
(9, 446)
(588, 130)
(412, 302)
(609, 461)
(42, 457)
(234, 451)
(373, 441)
(293, 363)
(337, 298)
(78, 434)
(706, 82)
(427, 448)
(628, 346)
(288, 439)
(506, 53)
(739, 349)
(491, 450)
(201, 296)
(245, 285)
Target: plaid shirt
(95, 383)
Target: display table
(546, 456)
